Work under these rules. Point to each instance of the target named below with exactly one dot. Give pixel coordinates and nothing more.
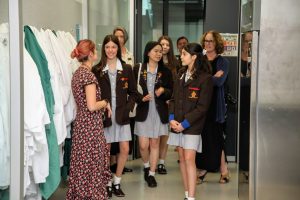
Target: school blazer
(191, 100)
(163, 79)
(126, 93)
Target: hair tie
(76, 52)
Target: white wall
(105, 15)
(3, 11)
(52, 14)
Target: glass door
(246, 44)
(186, 18)
(4, 102)
(104, 16)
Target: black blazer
(191, 101)
(163, 79)
(126, 93)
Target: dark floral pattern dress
(89, 168)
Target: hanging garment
(36, 117)
(4, 107)
(34, 49)
(63, 59)
(68, 42)
(59, 116)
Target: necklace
(86, 66)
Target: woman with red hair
(89, 168)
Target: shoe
(127, 170)
(161, 169)
(146, 173)
(151, 181)
(224, 178)
(109, 191)
(116, 190)
(201, 178)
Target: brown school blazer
(126, 93)
(191, 101)
(163, 79)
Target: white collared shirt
(118, 67)
(128, 58)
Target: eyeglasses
(208, 41)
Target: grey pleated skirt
(193, 142)
(152, 127)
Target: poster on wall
(230, 44)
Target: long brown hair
(201, 63)
(172, 61)
(103, 60)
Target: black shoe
(127, 170)
(185, 199)
(203, 176)
(161, 169)
(146, 173)
(151, 181)
(109, 191)
(116, 189)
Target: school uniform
(119, 88)
(152, 116)
(189, 104)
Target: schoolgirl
(119, 88)
(191, 98)
(152, 112)
(171, 63)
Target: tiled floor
(170, 186)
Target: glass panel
(152, 21)
(4, 102)
(186, 19)
(104, 16)
(245, 88)
(244, 139)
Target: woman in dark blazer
(152, 113)
(213, 156)
(119, 88)
(192, 93)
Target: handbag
(139, 89)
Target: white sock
(191, 198)
(161, 161)
(117, 180)
(151, 173)
(109, 184)
(186, 194)
(147, 164)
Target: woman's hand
(219, 73)
(147, 98)
(174, 124)
(159, 91)
(109, 111)
(179, 128)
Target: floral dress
(89, 168)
